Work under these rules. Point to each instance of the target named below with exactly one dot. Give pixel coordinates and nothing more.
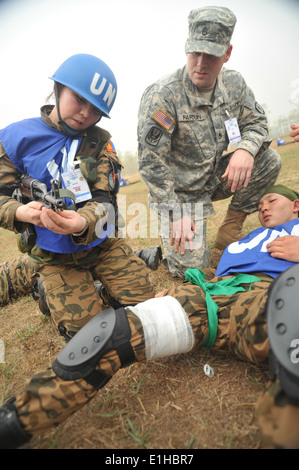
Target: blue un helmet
(91, 78)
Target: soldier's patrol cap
(210, 30)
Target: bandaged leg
(166, 331)
(113, 339)
(166, 327)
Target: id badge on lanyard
(72, 178)
(75, 182)
(232, 129)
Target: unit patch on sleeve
(163, 119)
(110, 147)
(153, 137)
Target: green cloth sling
(225, 287)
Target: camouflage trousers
(71, 295)
(48, 400)
(16, 279)
(266, 168)
(176, 263)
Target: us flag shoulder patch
(163, 119)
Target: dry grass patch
(166, 404)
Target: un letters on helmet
(91, 78)
(98, 86)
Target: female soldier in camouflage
(72, 247)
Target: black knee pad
(108, 330)
(283, 329)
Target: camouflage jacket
(99, 165)
(182, 135)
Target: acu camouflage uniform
(48, 400)
(68, 278)
(183, 140)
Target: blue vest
(37, 150)
(250, 255)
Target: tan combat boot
(230, 229)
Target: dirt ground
(168, 403)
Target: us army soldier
(189, 122)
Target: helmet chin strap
(64, 127)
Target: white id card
(75, 182)
(233, 131)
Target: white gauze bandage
(166, 327)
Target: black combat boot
(12, 435)
(151, 256)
